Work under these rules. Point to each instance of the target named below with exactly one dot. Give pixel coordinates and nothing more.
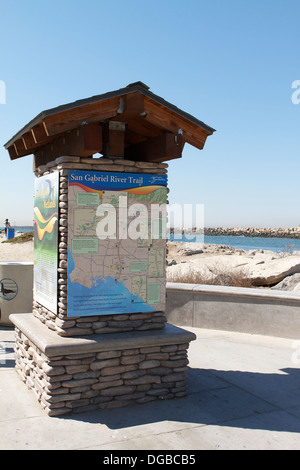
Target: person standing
(7, 225)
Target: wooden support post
(113, 139)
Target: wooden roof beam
(73, 118)
(165, 147)
(29, 140)
(82, 142)
(130, 107)
(135, 103)
(20, 146)
(13, 153)
(138, 130)
(166, 119)
(40, 133)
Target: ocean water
(21, 229)
(276, 245)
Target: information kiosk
(97, 336)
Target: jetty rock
(290, 283)
(202, 263)
(273, 271)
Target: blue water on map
(104, 297)
(244, 243)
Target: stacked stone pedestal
(107, 371)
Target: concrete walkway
(244, 393)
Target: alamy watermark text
(2, 92)
(296, 94)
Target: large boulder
(290, 283)
(274, 271)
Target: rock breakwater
(223, 265)
(254, 232)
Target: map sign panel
(116, 240)
(46, 240)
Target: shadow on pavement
(216, 397)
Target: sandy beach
(207, 264)
(15, 251)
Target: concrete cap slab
(228, 290)
(51, 344)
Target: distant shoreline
(219, 231)
(244, 232)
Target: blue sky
(229, 63)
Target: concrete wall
(256, 311)
(17, 281)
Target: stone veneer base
(100, 371)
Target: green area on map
(138, 267)
(81, 246)
(87, 199)
(153, 294)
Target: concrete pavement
(244, 393)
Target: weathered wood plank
(71, 119)
(166, 119)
